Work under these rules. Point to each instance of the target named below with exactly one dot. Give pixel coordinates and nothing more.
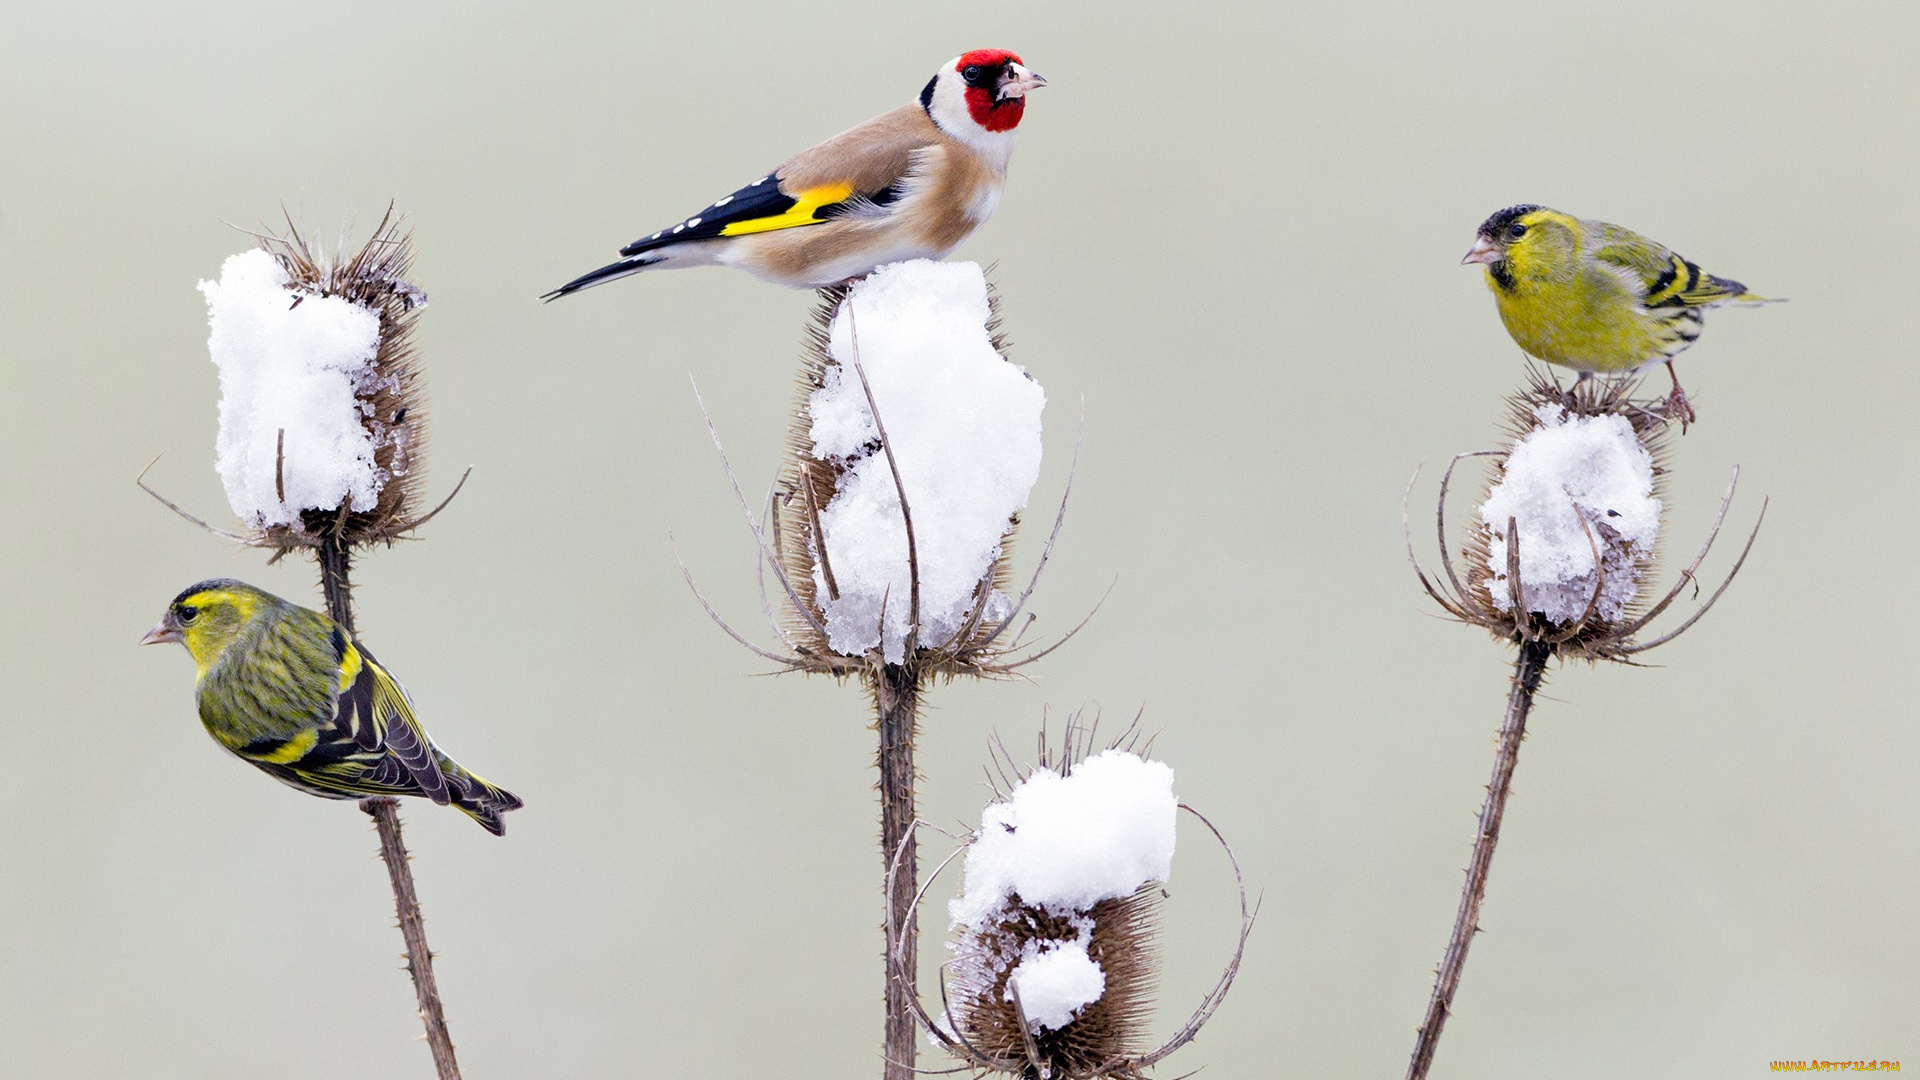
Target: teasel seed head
(1565, 543)
(913, 446)
(322, 415)
(1022, 965)
(1055, 946)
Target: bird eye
(1516, 230)
(186, 613)
(971, 72)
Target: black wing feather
(353, 716)
(403, 743)
(757, 201)
(760, 199)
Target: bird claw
(1678, 408)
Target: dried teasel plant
(1598, 611)
(898, 609)
(321, 449)
(1560, 561)
(1059, 983)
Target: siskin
(1596, 297)
(287, 690)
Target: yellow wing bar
(802, 212)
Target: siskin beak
(1484, 251)
(160, 632)
(1019, 81)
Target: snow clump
(1057, 846)
(296, 362)
(1573, 485)
(964, 426)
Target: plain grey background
(1232, 232)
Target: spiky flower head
(1054, 954)
(322, 430)
(913, 448)
(1565, 541)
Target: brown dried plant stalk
(335, 562)
(1593, 635)
(896, 703)
(793, 551)
(1528, 670)
(385, 812)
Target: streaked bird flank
(284, 689)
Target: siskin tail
(1711, 290)
(479, 800)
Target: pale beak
(1019, 80)
(1484, 251)
(161, 632)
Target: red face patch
(989, 114)
(1004, 116)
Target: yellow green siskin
(1596, 297)
(285, 689)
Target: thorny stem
(896, 702)
(1527, 672)
(384, 810)
(336, 559)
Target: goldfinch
(284, 689)
(909, 184)
(1596, 297)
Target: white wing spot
(677, 228)
(691, 222)
(724, 201)
(656, 236)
